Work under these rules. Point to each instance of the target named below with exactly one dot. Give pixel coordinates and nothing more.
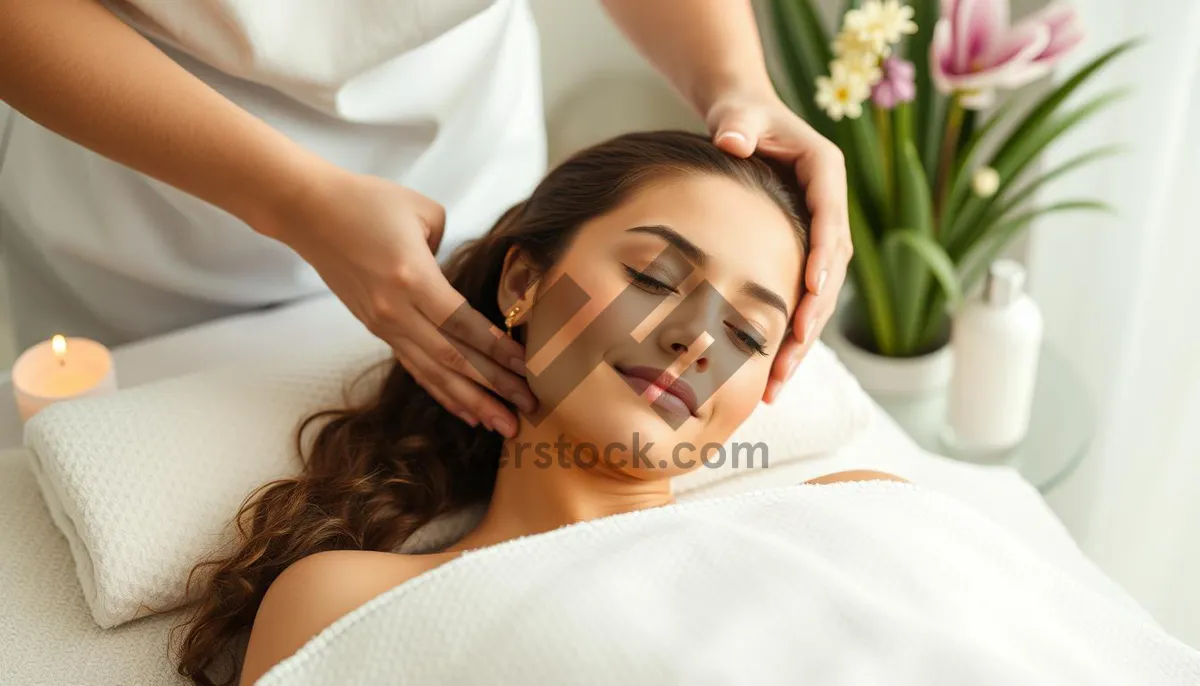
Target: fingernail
(504, 426)
(731, 134)
(523, 401)
(808, 329)
(517, 364)
(821, 281)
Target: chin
(611, 415)
(605, 412)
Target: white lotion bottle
(996, 339)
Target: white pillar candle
(61, 369)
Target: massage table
(49, 637)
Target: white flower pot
(884, 377)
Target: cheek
(568, 334)
(594, 411)
(564, 323)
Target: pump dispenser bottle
(996, 339)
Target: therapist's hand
(742, 124)
(373, 243)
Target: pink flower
(975, 51)
(897, 85)
(1065, 32)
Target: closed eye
(746, 341)
(648, 283)
(751, 343)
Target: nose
(688, 332)
(681, 350)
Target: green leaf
(887, 150)
(850, 5)
(902, 126)
(933, 124)
(1034, 120)
(869, 277)
(816, 31)
(1027, 190)
(915, 211)
(969, 122)
(801, 60)
(975, 264)
(960, 183)
(1021, 150)
(1010, 162)
(934, 319)
(930, 104)
(903, 117)
(864, 162)
(934, 256)
(1046, 107)
(933, 316)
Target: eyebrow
(698, 257)
(766, 296)
(689, 249)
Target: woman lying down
(651, 279)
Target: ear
(517, 279)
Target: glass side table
(1060, 428)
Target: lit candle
(61, 369)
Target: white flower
(842, 93)
(985, 182)
(864, 66)
(851, 45)
(880, 23)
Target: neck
(541, 487)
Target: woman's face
(653, 335)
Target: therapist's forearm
(75, 68)
(709, 49)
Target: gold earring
(511, 317)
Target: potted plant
(939, 181)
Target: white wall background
(596, 84)
(1121, 295)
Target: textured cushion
(48, 636)
(144, 483)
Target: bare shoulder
(316, 591)
(855, 475)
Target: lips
(677, 394)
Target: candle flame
(59, 345)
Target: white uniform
(442, 96)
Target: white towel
(856, 584)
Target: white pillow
(144, 483)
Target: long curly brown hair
(377, 472)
